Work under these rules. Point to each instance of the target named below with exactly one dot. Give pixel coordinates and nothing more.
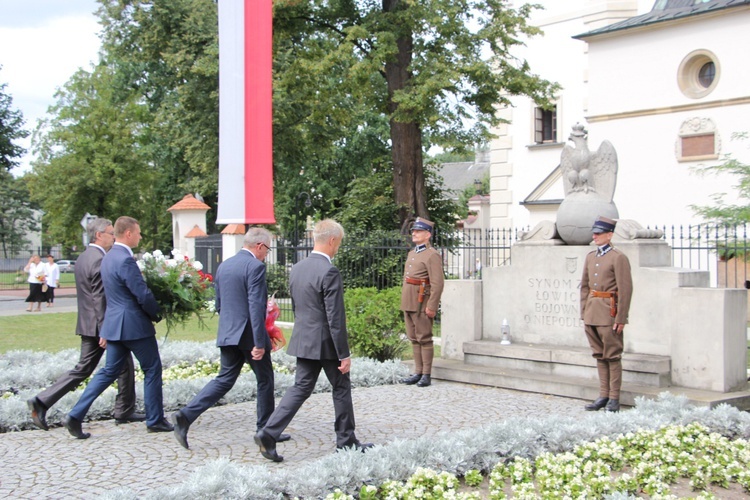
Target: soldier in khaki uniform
(420, 297)
(606, 289)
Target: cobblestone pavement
(39, 464)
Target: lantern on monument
(505, 331)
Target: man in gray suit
(91, 306)
(241, 295)
(319, 341)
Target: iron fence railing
(377, 258)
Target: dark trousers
(232, 360)
(304, 382)
(146, 351)
(91, 353)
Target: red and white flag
(245, 112)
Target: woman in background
(35, 268)
(52, 271)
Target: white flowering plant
(180, 286)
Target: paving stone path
(52, 464)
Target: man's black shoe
(283, 437)
(133, 417)
(38, 413)
(613, 405)
(357, 446)
(597, 405)
(411, 379)
(267, 446)
(161, 426)
(424, 381)
(181, 426)
(74, 427)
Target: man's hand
(618, 328)
(257, 353)
(429, 312)
(346, 365)
(102, 343)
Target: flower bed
(600, 455)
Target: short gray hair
(327, 228)
(256, 235)
(98, 225)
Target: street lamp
(308, 204)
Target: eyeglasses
(267, 247)
(111, 234)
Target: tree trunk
(406, 137)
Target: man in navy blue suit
(241, 294)
(128, 328)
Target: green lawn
(54, 332)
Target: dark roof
(458, 176)
(667, 10)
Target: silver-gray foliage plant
(24, 374)
(455, 452)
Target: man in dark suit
(241, 295)
(319, 341)
(91, 306)
(128, 328)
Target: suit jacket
(319, 317)
(90, 292)
(241, 295)
(425, 264)
(131, 307)
(607, 273)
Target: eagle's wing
(566, 166)
(603, 168)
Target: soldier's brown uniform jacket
(606, 273)
(424, 264)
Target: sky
(42, 43)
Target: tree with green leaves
(16, 212)
(437, 69)
(91, 159)
(721, 212)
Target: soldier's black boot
(424, 381)
(412, 379)
(597, 405)
(613, 405)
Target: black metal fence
(377, 258)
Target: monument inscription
(556, 302)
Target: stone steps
(569, 372)
(565, 361)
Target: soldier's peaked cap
(603, 225)
(423, 224)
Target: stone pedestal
(674, 316)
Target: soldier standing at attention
(420, 297)
(606, 289)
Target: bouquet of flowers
(179, 285)
(272, 314)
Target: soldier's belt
(422, 282)
(416, 281)
(612, 296)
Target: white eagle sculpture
(586, 172)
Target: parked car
(66, 266)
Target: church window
(545, 125)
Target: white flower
(197, 265)
(171, 263)
(140, 264)
(157, 253)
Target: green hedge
(375, 322)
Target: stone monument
(682, 335)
